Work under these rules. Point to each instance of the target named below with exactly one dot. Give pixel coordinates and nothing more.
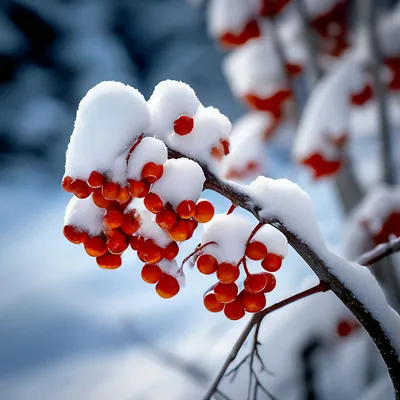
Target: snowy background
(69, 330)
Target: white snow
(83, 214)
(182, 179)
(247, 145)
(170, 99)
(368, 218)
(210, 126)
(172, 268)
(231, 233)
(316, 8)
(108, 120)
(254, 69)
(148, 150)
(274, 240)
(231, 16)
(150, 230)
(285, 201)
(326, 115)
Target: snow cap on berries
(84, 215)
(170, 100)
(148, 150)
(182, 179)
(274, 240)
(108, 120)
(231, 233)
(150, 230)
(229, 16)
(210, 128)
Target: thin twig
(379, 252)
(321, 287)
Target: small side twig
(379, 252)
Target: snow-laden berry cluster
(228, 243)
(127, 193)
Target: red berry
(234, 310)
(255, 283)
(99, 200)
(95, 246)
(110, 190)
(204, 211)
(123, 195)
(149, 252)
(96, 179)
(192, 225)
(152, 172)
(171, 251)
(181, 231)
(81, 189)
(117, 241)
(131, 223)
(256, 250)
(227, 273)
(186, 209)
(137, 242)
(153, 203)
(207, 264)
(272, 262)
(167, 286)
(166, 219)
(252, 302)
(212, 304)
(225, 292)
(74, 235)
(271, 282)
(109, 261)
(344, 328)
(183, 125)
(138, 189)
(151, 273)
(66, 184)
(113, 217)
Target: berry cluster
(126, 191)
(225, 294)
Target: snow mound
(274, 240)
(182, 179)
(109, 119)
(210, 128)
(230, 232)
(150, 230)
(84, 215)
(148, 150)
(170, 99)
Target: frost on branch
(374, 220)
(324, 127)
(285, 204)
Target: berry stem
(231, 209)
(136, 144)
(256, 321)
(196, 250)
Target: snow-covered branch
(285, 206)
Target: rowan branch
(234, 192)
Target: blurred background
(69, 330)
